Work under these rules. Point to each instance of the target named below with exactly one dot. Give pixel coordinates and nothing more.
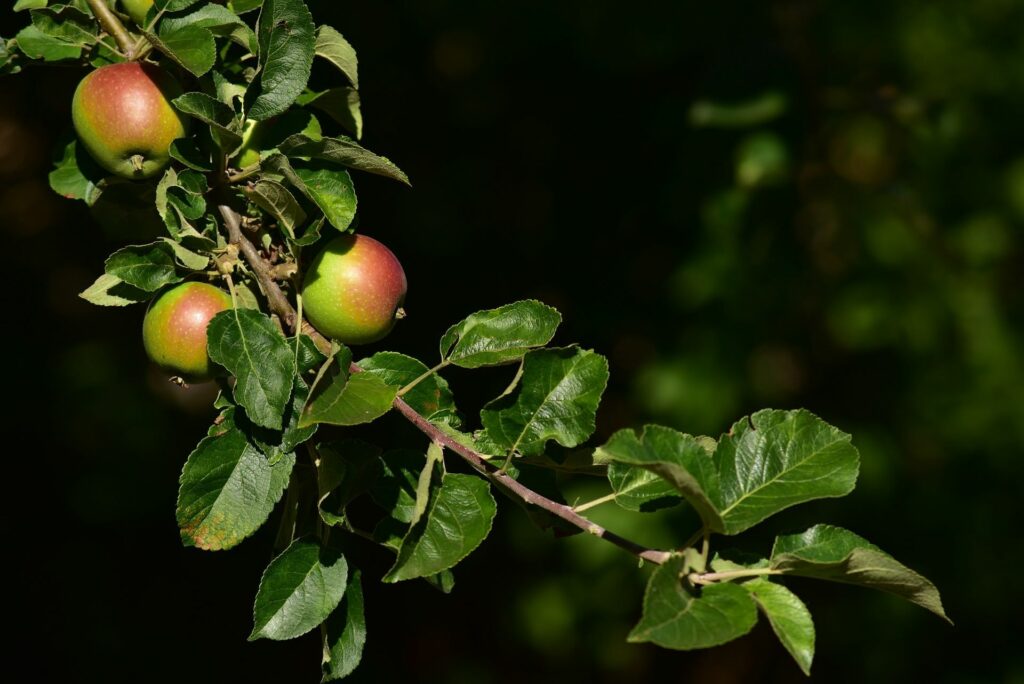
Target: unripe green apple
(174, 329)
(353, 290)
(137, 9)
(264, 135)
(124, 118)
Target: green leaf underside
(778, 459)
(228, 489)
(676, 617)
(38, 45)
(298, 591)
(458, 518)
(395, 490)
(333, 47)
(497, 336)
(109, 290)
(188, 153)
(287, 41)
(341, 399)
(67, 24)
(556, 398)
(345, 633)
(249, 345)
(789, 618)
(641, 490)
(431, 397)
(147, 267)
(341, 104)
(833, 553)
(217, 19)
(211, 111)
(345, 151)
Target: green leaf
(187, 257)
(345, 633)
(186, 151)
(357, 399)
(502, 335)
(345, 151)
(219, 20)
(556, 398)
(329, 188)
(395, 489)
(38, 45)
(28, 4)
(191, 47)
(110, 290)
(641, 490)
(341, 104)
(173, 5)
(832, 553)
(675, 616)
(250, 346)
(789, 618)
(333, 47)
(678, 458)
(180, 198)
(458, 518)
(286, 44)
(276, 200)
(67, 24)
(242, 6)
(299, 590)
(147, 267)
(228, 489)
(777, 459)
(211, 111)
(346, 469)
(431, 398)
(75, 176)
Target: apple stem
(112, 25)
(283, 308)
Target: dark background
(844, 236)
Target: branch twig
(112, 25)
(280, 305)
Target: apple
(354, 289)
(124, 118)
(137, 9)
(174, 329)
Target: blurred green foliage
(791, 203)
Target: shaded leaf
(276, 200)
(38, 45)
(329, 188)
(341, 104)
(641, 490)
(218, 20)
(346, 469)
(192, 47)
(431, 398)
(345, 633)
(299, 590)
(340, 399)
(502, 335)
(211, 111)
(188, 153)
(333, 47)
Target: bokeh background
(774, 203)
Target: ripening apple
(174, 329)
(124, 118)
(137, 9)
(354, 289)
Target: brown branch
(280, 305)
(564, 512)
(112, 25)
